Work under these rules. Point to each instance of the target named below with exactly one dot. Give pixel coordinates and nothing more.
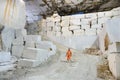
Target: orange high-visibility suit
(68, 55)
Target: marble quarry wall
(110, 42)
(12, 13)
(77, 29)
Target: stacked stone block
(85, 23)
(30, 50)
(114, 59)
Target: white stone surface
(5, 57)
(103, 20)
(93, 21)
(79, 32)
(67, 33)
(75, 22)
(7, 38)
(50, 33)
(101, 37)
(99, 31)
(115, 13)
(6, 68)
(101, 14)
(35, 54)
(65, 18)
(56, 28)
(46, 45)
(91, 15)
(65, 29)
(85, 27)
(56, 17)
(65, 23)
(18, 41)
(113, 29)
(114, 64)
(50, 23)
(10, 15)
(74, 27)
(77, 42)
(17, 51)
(97, 26)
(114, 47)
(108, 13)
(20, 32)
(85, 21)
(81, 16)
(90, 31)
(49, 28)
(58, 33)
(30, 44)
(28, 63)
(32, 38)
(49, 19)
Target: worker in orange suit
(68, 55)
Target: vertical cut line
(6, 9)
(9, 8)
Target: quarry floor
(82, 67)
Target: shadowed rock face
(67, 7)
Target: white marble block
(34, 53)
(50, 24)
(18, 41)
(5, 57)
(103, 20)
(74, 27)
(114, 64)
(101, 14)
(93, 21)
(56, 28)
(75, 22)
(50, 33)
(64, 29)
(97, 26)
(116, 12)
(114, 47)
(65, 23)
(90, 31)
(20, 33)
(85, 21)
(17, 50)
(85, 26)
(32, 38)
(99, 31)
(58, 34)
(91, 15)
(28, 63)
(65, 18)
(47, 45)
(108, 13)
(58, 18)
(29, 44)
(79, 32)
(81, 16)
(67, 33)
